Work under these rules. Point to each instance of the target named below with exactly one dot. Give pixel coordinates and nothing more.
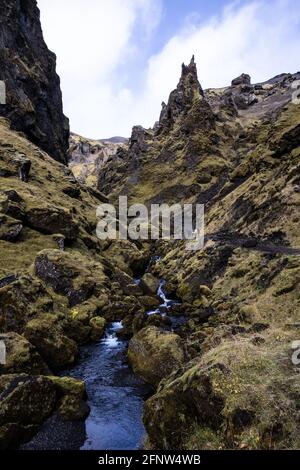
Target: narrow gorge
(132, 344)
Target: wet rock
(52, 220)
(47, 336)
(21, 356)
(149, 284)
(10, 229)
(149, 302)
(154, 354)
(97, 325)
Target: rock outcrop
(33, 101)
(87, 157)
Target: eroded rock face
(181, 99)
(154, 354)
(34, 102)
(87, 158)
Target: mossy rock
(154, 354)
(70, 274)
(21, 300)
(97, 325)
(149, 284)
(71, 394)
(21, 357)
(10, 229)
(25, 402)
(45, 333)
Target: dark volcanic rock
(182, 98)
(26, 401)
(52, 220)
(34, 102)
(243, 79)
(10, 229)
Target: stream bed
(115, 396)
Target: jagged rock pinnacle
(183, 96)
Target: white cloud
(93, 39)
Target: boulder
(97, 325)
(12, 204)
(149, 302)
(127, 284)
(69, 274)
(71, 396)
(154, 354)
(47, 336)
(10, 229)
(127, 256)
(21, 356)
(25, 402)
(188, 394)
(22, 298)
(243, 79)
(149, 284)
(52, 220)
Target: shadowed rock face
(34, 101)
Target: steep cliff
(34, 101)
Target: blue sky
(119, 59)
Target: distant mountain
(116, 140)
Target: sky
(119, 59)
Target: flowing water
(115, 396)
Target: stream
(115, 396)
